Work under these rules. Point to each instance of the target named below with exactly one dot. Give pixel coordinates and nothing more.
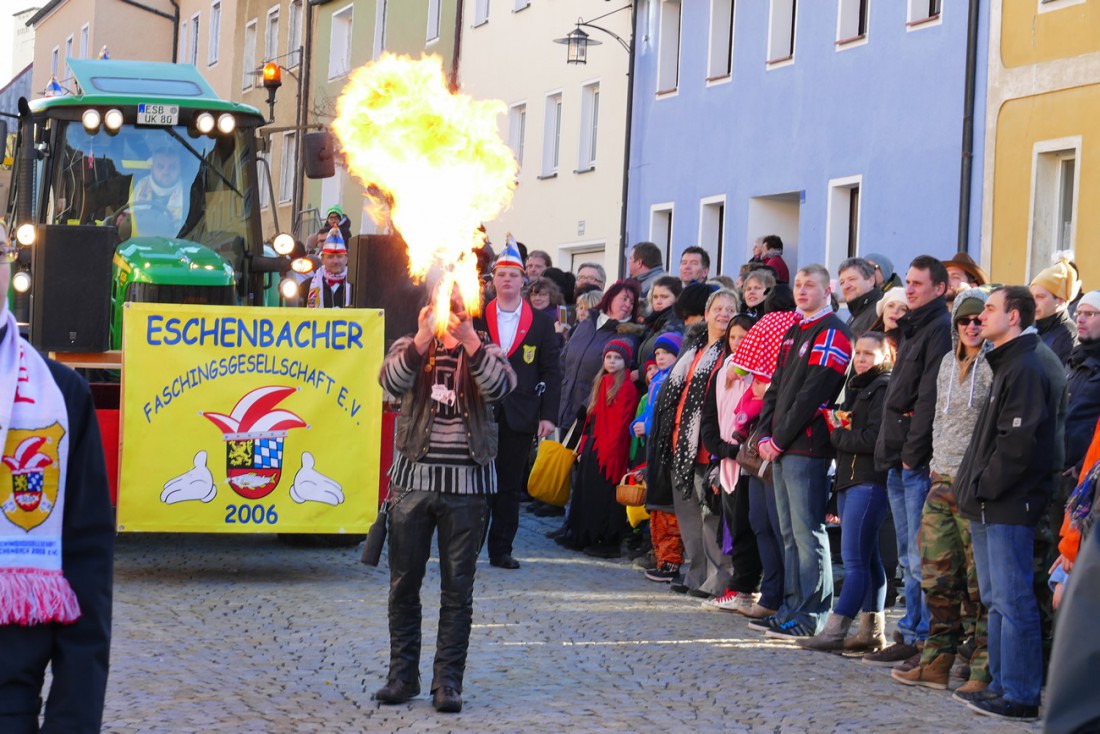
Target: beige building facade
(566, 123)
(66, 29)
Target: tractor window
(157, 182)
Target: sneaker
(789, 630)
(1002, 708)
(698, 594)
(972, 691)
(727, 602)
(757, 612)
(899, 652)
(665, 573)
(763, 624)
(678, 586)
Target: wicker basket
(631, 490)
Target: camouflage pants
(949, 580)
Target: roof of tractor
(124, 83)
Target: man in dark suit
(528, 339)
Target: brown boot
(934, 674)
(870, 637)
(972, 686)
(831, 637)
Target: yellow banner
(249, 420)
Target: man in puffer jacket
(904, 445)
(948, 576)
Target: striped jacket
(446, 437)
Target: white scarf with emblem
(34, 435)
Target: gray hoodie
(958, 405)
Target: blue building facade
(837, 124)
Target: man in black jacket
(813, 358)
(528, 340)
(77, 651)
(1084, 382)
(904, 447)
(1005, 483)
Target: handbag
(749, 459)
(630, 492)
(550, 476)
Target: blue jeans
(1003, 557)
(765, 526)
(863, 509)
(907, 490)
(801, 493)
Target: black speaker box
(378, 265)
(71, 293)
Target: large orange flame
(438, 159)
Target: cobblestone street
(244, 634)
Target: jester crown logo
(28, 466)
(254, 431)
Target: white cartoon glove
(195, 484)
(311, 485)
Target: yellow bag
(550, 476)
(636, 515)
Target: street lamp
(576, 52)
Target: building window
(712, 229)
(339, 51)
(248, 78)
(781, 30)
(590, 123)
(185, 32)
(68, 55)
(668, 50)
(481, 12)
(660, 228)
(720, 58)
(922, 11)
(851, 21)
(435, 10)
(381, 12)
(215, 32)
(1046, 6)
(842, 228)
(517, 130)
(84, 41)
(263, 176)
(294, 34)
(193, 56)
(521, 4)
(551, 137)
(286, 167)
(1054, 206)
(271, 35)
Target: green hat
(335, 209)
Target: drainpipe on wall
(174, 16)
(629, 124)
(458, 47)
(967, 173)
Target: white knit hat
(1092, 298)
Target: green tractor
(143, 185)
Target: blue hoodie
(646, 418)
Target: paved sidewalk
(243, 634)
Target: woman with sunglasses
(948, 575)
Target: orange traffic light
(273, 75)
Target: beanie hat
(969, 303)
(693, 300)
(894, 294)
(335, 209)
(620, 347)
(670, 341)
(1060, 279)
(334, 243)
(885, 264)
(1092, 298)
(649, 363)
(509, 258)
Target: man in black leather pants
(443, 471)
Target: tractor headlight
(283, 244)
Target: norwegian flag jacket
(813, 358)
